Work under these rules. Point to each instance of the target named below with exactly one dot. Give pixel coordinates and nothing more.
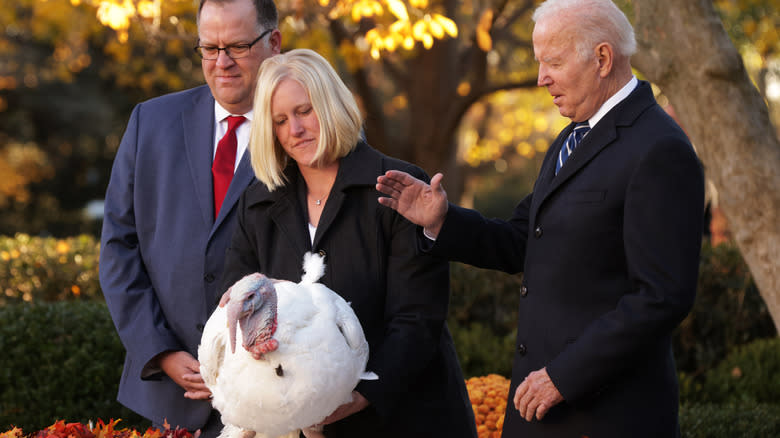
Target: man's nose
(223, 60)
(542, 79)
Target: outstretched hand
(420, 203)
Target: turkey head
(252, 306)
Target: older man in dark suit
(608, 240)
(170, 214)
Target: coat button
(209, 278)
(521, 350)
(321, 253)
(199, 327)
(523, 291)
(538, 232)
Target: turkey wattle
(302, 353)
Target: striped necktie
(574, 138)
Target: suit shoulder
(184, 98)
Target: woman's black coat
(400, 296)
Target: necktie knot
(574, 138)
(234, 122)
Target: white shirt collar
(220, 113)
(242, 132)
(614, 100)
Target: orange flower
(488, 396)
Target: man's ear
(605, 57)
(276, 41)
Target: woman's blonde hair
(339, 118)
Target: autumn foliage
(61, 429)
(488, 396)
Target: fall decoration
(488, 396)
(61, 429)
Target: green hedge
(61, 357)
(730, 421)
(728, 312)
(60, 361)
(63, 361)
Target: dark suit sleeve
(468, 237)
(415, 312)
(662, 238)
(124, 280)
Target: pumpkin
(488, 395)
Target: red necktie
(224, 162)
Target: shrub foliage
(34, 269)
(61, 357)
(59, 360)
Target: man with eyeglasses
(169, 214)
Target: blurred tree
(685, 49)
(66, 88)
(425, 80)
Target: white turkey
(301, 354)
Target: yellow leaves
(34, 269)
(520, 123)
(398, 9)
(366, 8)
(14, 432)
(447, 24)
(484, 41)
(62, 247)
(116, 16)
(149, 9)
(464, 88)
(410, 24)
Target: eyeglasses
(234, 51)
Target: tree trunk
(684, 49)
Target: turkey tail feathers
(313, 268)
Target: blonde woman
(315, 192)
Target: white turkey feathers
(316, 357)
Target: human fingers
(519, 393)
(436, 182)
(388, 202)
(194, 378)
(198, 395)
(391, 185)
(541, 410)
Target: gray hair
(267, 15)
(599, 21)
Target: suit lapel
(198, 124)
(590, 146)
(359, 168)
(284, 209)
(601, 136)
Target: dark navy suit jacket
(610, 250)
(162, 251)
